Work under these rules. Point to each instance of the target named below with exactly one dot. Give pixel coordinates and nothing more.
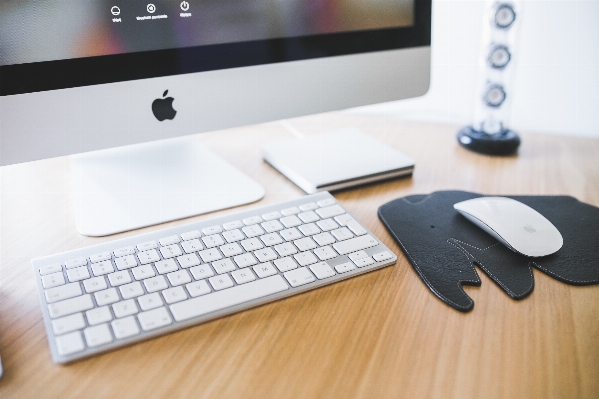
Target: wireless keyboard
(118, 293)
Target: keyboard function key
(330, 211)
(144, 246)
(236, 224)
(310, 206)
(212, 230)
(170, 240)
(272, 215)
(322, 270)
(75, 263)
(53, 280)
(57, 267)
(125, 327)
(69, 343)
(123, 251)
(382, 256)
(294, 210)
(299, 277)
(345, 267)
(326, 202)
(155, 318)
(191, 235)
(252, 220)
(100, 257)
(95, 284)
(97, 335)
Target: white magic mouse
(518, 226)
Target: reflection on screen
(34, 31)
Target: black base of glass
(503, 143)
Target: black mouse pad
(443, 246)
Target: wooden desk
(380, 335)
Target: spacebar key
(355, 244)
(229, 297)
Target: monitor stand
(129, 187)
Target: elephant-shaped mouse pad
(443, 246)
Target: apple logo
(163, 108)
(529, 228)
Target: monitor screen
(55, 44)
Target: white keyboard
(114, 294)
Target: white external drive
(336, 160)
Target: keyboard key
(170, 240)
(272, 226)
(68, 324)
(364, 261)
(265, 269)
(286, 249)
(343, 220)
(358, 255)
(243, 276)
(198, 288)
(124, 251)
(212, 230)
(266, 254)
(176, 294)
(322, 270)
(327, 224)
(142, 272)
(345, 267)
(154, 319)
(144, 246)
(252, 231)
(125, 262)
(308, 217)
(131, 290)
(125, 327)
(231, 249)
(310, 206)
(305, 258)
(252, 244)
(106, 297)
(102, 268)
(294, 210)
(223, 299)
(290, 234)
(233, 235)
(191, 235)
(179, 277)
(236, 224)
(244, 260)
(342, 234)
(326, 202)
(78, 274)
(125, 308)
(272, 215)
(221, 282)
(323, 239)
(95, 284)
(305, 244)
(166, 266)
(291, 221)
(252, 220)
(330, 211)
(171, 251)
(325, 253)
(53, 280)
(69, 343)
(57, 267)
(70, 306)
(356, 228)
(299, 277)
(192, 246)
(75, 263)
(213, 240)
(150, 301)
(210, 255)
(98, 315)
(382, 256)
(97, 335)
(119, 278)
(285, 264)
(190, 260)
(200, 272)
(223, 266)
(154, 284)
(100, 257)
(63, 292)
(309, 229)
(355, 244)
(148, 256)
(271, 239)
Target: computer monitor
(108, 81)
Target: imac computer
(119, 85)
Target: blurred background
(556, 83)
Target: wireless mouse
(518, 226)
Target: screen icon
(151, 8)
(184, 6)
(115, 10)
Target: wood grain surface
(381, 335)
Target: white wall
(556, 84)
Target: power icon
(184, 6)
